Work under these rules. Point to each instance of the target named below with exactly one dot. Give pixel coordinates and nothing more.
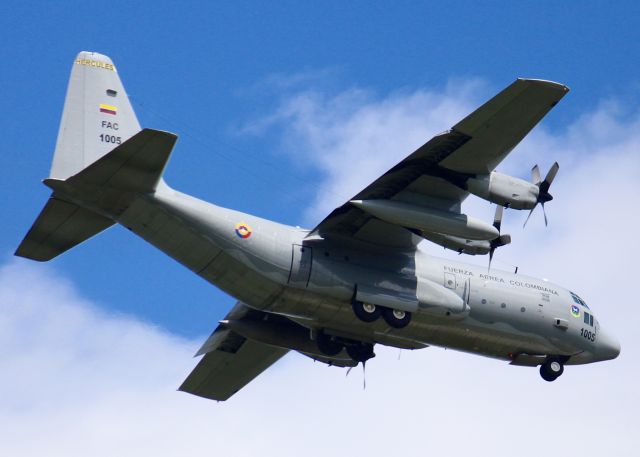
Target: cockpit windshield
(578, 300)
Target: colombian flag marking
(243, 230)
(108, 109)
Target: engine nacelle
(504, 190)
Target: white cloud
(78, 381)
(354, 136)
(81, 382)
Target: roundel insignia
(575, 311)
(243, 230)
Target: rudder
(97, 115)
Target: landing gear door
(301, 257)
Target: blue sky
(268, 98)
(205, 70)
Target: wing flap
(395, 183)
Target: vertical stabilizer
(97, 115)
(97, 119)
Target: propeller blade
(501, 240)
(497, 219)
(364, 375)
(530, 213)
(491, 251)
(535, 174)
(543, 186)
(553, 171)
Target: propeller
(501, 240)
(543, 189)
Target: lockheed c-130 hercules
(355, 280)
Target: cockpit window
(578, 300)
(588, 319)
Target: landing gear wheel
(327, 345)
(366, 312)
(360, 352)
(551, 370)
(396, 318)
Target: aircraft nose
(608, 347)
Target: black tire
(366, 312)
(328, 346)
(396, 318)
(551, 370)
(546, 376)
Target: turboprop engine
(504, 190)
(513, 192)
(276, 331)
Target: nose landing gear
(551, 369)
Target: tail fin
(100, 151)
(97, 115)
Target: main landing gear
(551, 369)
(368, 312)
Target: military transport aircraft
(355, 280)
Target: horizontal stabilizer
(136, 165)
(59, 227)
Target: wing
(435, 174)
(230, 362)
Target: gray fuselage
(272, 268)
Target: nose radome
(608, 347)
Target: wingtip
(546, 82)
